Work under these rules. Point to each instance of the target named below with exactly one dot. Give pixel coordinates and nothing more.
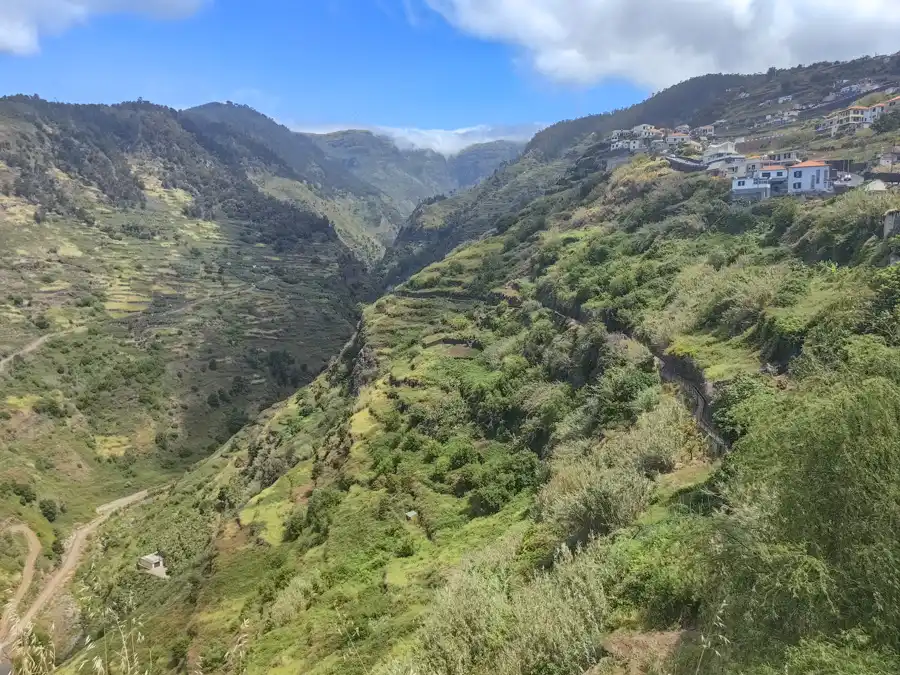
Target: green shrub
(49, 509)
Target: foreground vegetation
(501, 471)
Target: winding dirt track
(8, 632)
(34, 345)
(34, 550)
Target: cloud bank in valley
(447, 142)
(23, 22)
(657, 43)
(453, 141)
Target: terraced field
(134, 344)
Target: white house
(773, 172)
(810, 178)
(627, 144)
(719, 151)
(785, 99)
(849, 119)
(676, 139)
(617, 134)
(729, 167)
(884, 108)
(750, 188)
(709, 131)
(643, 130)
(785, 157)
(890, 157)
(683, 129)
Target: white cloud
(23, 22)
(660, 42)
(451, 142)
(443, 141)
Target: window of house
(766, 174)
(797, 186)
(741, 183)
(798, 174)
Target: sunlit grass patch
(67, 249)
(23, 403)
(112, 446)
(720, 359)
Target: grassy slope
(13, 551)
(487, 395)
(366, 224)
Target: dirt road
(62, 574)
(34, 550)
(34, 345)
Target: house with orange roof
(810, 177)
(883, 108)
(848, 119)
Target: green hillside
(153, 301)
(571, 149)
(439, 225)
(509, 468)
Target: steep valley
(589, 416)
(493, 477)
(155, 299)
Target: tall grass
(487, 621)
(491, 619)
(808, 550)
(598, 487)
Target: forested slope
(496, 476)
(362, 182)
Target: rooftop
(773, 167)
(809, 163)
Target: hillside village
(818, 164)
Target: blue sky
(343, 62)
(426, 64)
